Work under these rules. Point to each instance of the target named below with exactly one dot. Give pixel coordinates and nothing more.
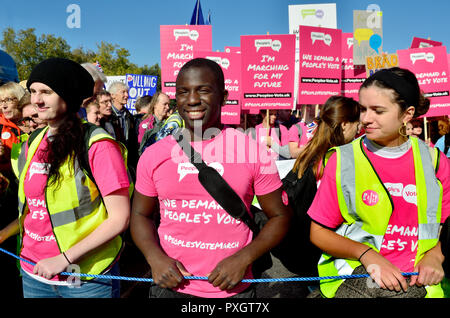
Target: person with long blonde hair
(337, 125)
(158, 108)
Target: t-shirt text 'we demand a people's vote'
(194, 228)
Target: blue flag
(197, 15)
(208, 19)
(8, 68)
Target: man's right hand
(4, 183)
(168, 272)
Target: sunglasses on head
(29, 118)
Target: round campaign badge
(285, 198)
(6, 135)
(370, 197)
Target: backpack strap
(216, 186)
(300, 131)
(88, 129)
(34, 134)
(278, 130)
(253, 132)
(435, 157)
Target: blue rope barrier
(255, 280)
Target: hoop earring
(401, 129)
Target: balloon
(375, 42)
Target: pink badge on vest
(370, 197)
(285, 198)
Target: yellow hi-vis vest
(368, 224)
(75, 207)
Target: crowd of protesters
(78, 170)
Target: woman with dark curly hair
(382, 200)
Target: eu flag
(197, 15)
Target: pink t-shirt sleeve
(284, 135)
(108, 167)
(325, 207)
(144, 175)
(145, 125)
(266, 179)
(304, 139)
(443, 174)
(293, 134)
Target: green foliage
(28, 50)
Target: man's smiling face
(199, 97)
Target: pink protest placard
(421, 43)
(178, 43)
(320, 64)
(268, 66)
(231, 67)
(448, 61)
(352, 75)
(231, 115)
(431, 68)
(232, 49)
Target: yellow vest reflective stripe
(75, 207)
(16, 151)
(367, 223)
(175, 117)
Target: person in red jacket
(10, 95)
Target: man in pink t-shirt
(297, 138)
(276, 139)
(196, 236)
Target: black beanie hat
(67, 78)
